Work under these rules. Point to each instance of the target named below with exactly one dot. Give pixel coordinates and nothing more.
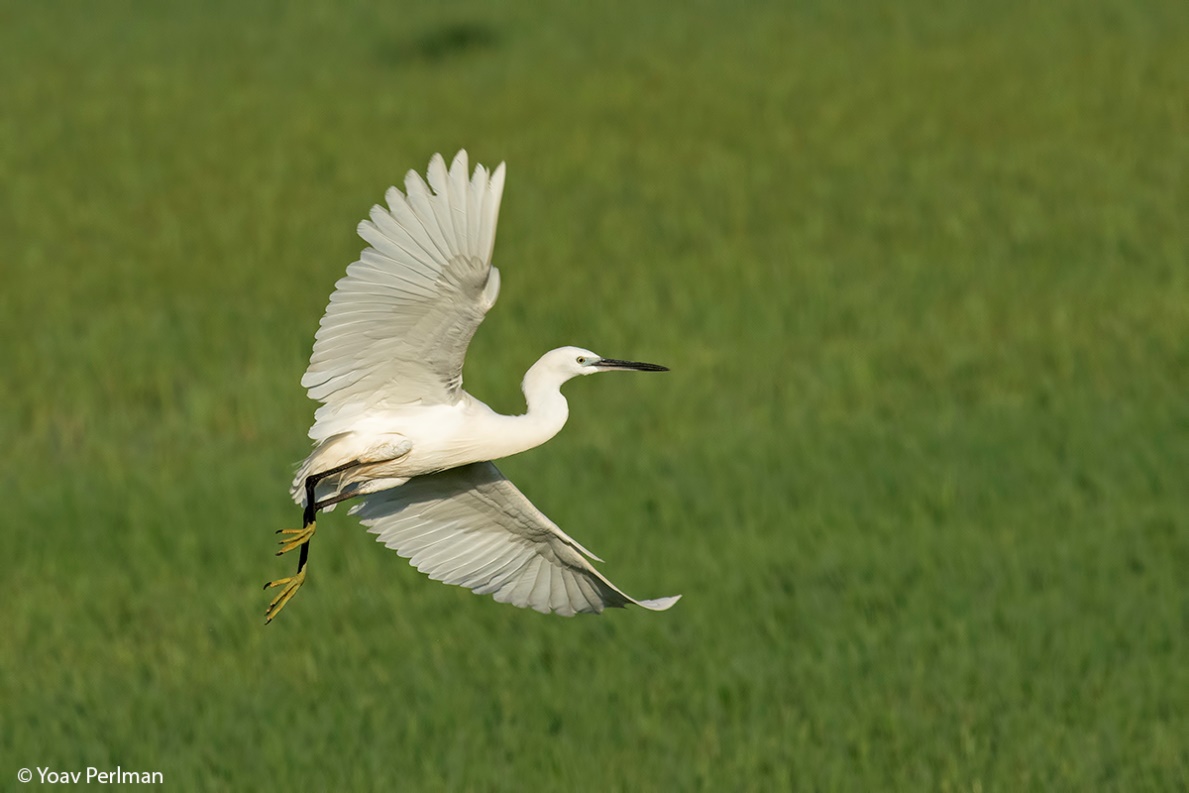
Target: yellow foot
(295, 538)
(291, 584)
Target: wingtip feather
(659, 604)
(460, 161)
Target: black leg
(329, 502)
(311, 508)
(303, 536)
(307, 517)
(305, 554)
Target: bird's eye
(582, 359)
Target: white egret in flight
(396, 430)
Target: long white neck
(547, 408)
(546, 415)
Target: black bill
(630, 366)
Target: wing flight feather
(471, 527)
(399, 322)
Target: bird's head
(568, 362)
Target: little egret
(396, 430)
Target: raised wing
(471, 527)
(399, 322)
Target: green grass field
(920, 468)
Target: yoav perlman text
(117, 776)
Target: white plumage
(471, 527)
(397, 430)
(398, 324)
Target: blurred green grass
(919, 468)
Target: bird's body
(439, 437)
(397, 431)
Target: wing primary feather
(542, 592)
(386, 233)
(559, 599)
(593, 597)
(439, 202)
(526, 581)
(573, 592)
(384, 225)
(475, 219)
(420, 200)
(459, 200)
(491, 211)
(407, 217)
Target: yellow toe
(291, 585)
(295, 538)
